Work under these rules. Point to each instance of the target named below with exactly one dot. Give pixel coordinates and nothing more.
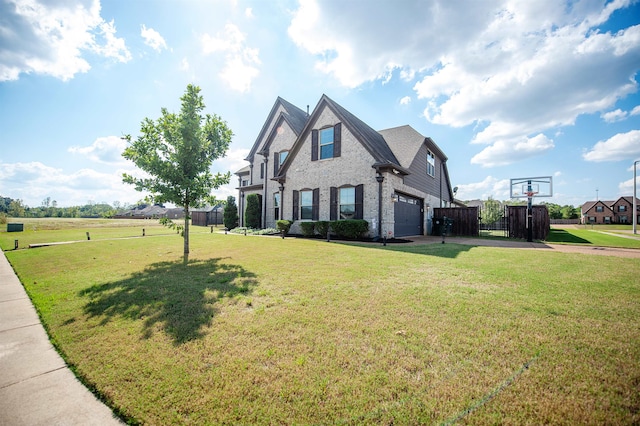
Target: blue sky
(507, 88)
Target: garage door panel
(408, 216)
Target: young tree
(176, 151)
(253, 213)
(491, 212)
(230, 215)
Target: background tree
(16, 209)
(491, 211)
(177, 151)
(253, 213)
(230, 215)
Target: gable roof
(405, 142)
(295, 117)
(372, 141)
(591, 204)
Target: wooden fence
(517, 216)
(465, 220)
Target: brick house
(330, 165)
(618, 211)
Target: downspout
(264, 193)
(440, 177)
(379, 179)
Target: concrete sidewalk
(36, 387)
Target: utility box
(15, 227)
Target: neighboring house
(330, 165)
(618, 211)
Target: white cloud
(152, 38)
(489, 187)
(622, 146)
(248, 12)
(405, 101)
(613, 116)
(34, 181)
(625, 188)
(52, 37)
(518, 68)
(184, 64)
(240, 66)
(635, 111)
(106, 150)
(507, 151)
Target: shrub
(284, 225)
(322, 227)
(230, 215)
(253, 213)
(3, 218)
(352, 228)
(308, 228)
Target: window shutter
(337, 139)
(276, 164)
(315, 207)
(333, 203)
(359, 201)
(314, 145)
(296, 201)
(261, 170)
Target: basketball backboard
(541, 186)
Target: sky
(506, 88)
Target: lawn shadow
(448, 250)
(179, 298)
(562, 236)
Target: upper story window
(326, 143)
(599, 209)
(245, 182)
(622, 208)
(431, 164)
(283, 156)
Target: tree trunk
(186, 230)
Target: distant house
(330, 165)
(618, 211)
(145, 211)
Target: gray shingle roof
(404, 141)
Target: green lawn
(599, 236)
(261, 330)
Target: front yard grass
(596, 237)
(261, 330)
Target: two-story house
(330, 165)
(618, 211)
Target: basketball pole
(635, 203)
(529, 213)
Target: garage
(408, 216)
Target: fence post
(88, 236)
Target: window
(431, 164)
(599, 209)
(283, 156)
(306, 205)
(276, 206)
(592, 219)
(624, 219)
(326, 143)
(347, 203)
(607, 219)
(245, 182)
(622, 208)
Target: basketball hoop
(530, 194)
